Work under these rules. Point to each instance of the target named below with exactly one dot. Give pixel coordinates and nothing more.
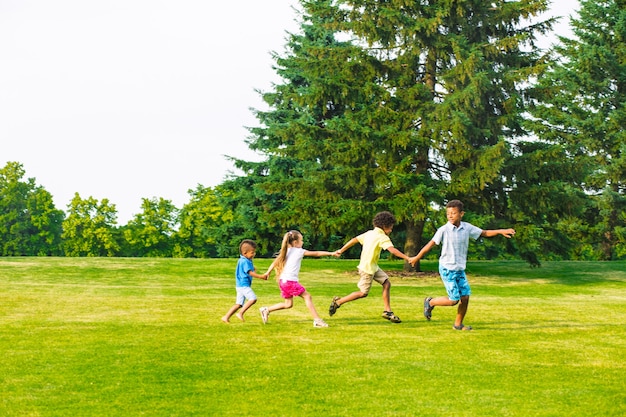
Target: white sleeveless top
(292, 264)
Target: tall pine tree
(582, 108)
(456, 72)
(396, 105)
(321, 162)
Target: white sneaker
(265, 314)
(319, 323)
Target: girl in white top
(287, 265)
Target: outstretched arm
(427, 247)
(270, 269)
(508, 233)
(398, 254)
(255, 274)
(319, 253)
(348, 245)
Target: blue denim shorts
(455, 282)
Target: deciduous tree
(30, 224)
(199, 220)
(151, 232)
(90, 228)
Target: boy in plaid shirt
(454, 237)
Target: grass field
(143, 337)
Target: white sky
(132, 99)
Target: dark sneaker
(428, 308)
(391, 317)
(333, 306)
(462, 327)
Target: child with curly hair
(374, 242)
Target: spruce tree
(395, 105)
(456, 72)
(320, 166)
(581, 107)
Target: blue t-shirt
(242, 274)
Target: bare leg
(386, 291)
(351, 297)
(287, 304)
(245, 308)
(461, 310)
(308, 300)
(443, 301)
(232, 310)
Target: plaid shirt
(455, 241)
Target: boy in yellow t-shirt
(373, 242)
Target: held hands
(413, 260)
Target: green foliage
(580, 107)
(89, 229)
(413, 108)
(545, 196)
(317, 162)
(245, 204)
(29, 222)
(151, 232)
(199, 219)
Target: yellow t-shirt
(373, 241)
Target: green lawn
(143, 337)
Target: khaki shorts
(365, 282)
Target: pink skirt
(289, 289)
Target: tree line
(400, 106)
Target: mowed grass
(143, 337)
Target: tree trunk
(413, 242)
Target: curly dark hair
(384, 219)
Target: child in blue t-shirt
(243, 275)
